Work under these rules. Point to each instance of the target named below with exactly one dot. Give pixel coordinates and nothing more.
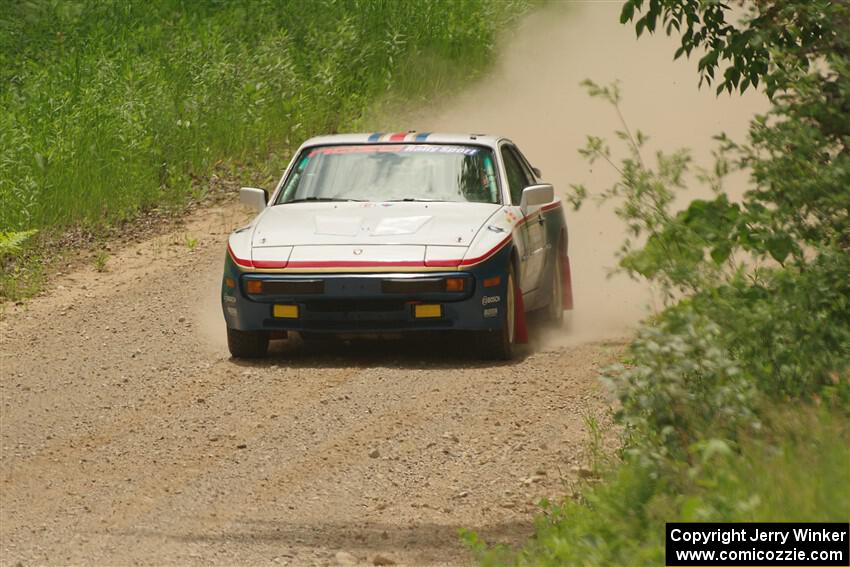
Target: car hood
(344, 223)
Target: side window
(526, 167)
(294, 180)
(517, 180)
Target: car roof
(411, 136)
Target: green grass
(112, 107)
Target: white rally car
(388, 233)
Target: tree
(799, 152)
(773, 270)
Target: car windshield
(393, 172)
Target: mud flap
(566, 283)
(520, 326)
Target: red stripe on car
(496, 248)
(245, 263)
(354, 264)
(270, 264)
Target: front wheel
(501, 343)
(247, 344)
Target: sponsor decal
(488, 299)
(232, 311)
(406, 148)
(491, 312)
(400, 136)
(229, 299)
(465, 150)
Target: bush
(789, 329)
(764, 478)
(682, 383)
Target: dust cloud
(210, 319)
(533, 96)
(217, 223)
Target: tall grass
(110, 107)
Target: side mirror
(535, 195)
(254, 198)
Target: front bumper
(364, 302)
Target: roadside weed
(100, 260)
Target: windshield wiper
(317, 199)
(414, 200)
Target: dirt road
(127, 435)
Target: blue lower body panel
(366, 303)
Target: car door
(534, 233)
(529, 235)
(535, 225)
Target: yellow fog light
(424, 310)
(285, 311)
(230, 283)
(254, 287)
(455, 284)
(493, 282)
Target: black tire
(501, 344)
(248, 344)
(554, 311)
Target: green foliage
(15, 281)
(11, 242)
(100, 261)
(799, 152)
(762, 478)
(671, 255)
(12, 281)
(191, 243)
(776, 39)
(788, 329)
(18, 282)
(681, 384)
(110, 107)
